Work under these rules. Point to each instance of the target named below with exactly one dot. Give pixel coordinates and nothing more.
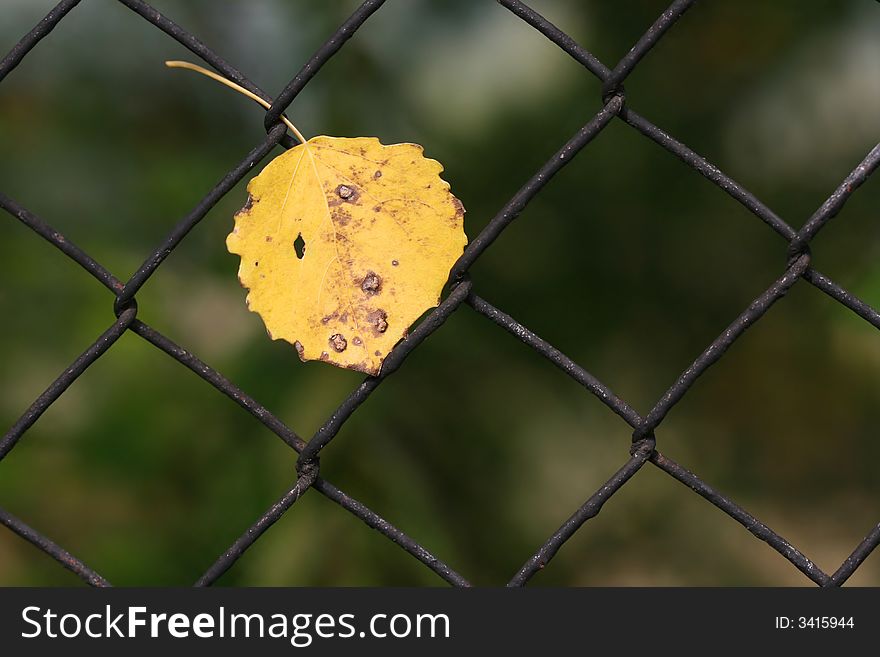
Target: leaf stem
(236, 87)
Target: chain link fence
(462, 292)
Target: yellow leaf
(344, 243)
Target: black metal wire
(58, 553)
(643, 448)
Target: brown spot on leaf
(324, 355)
(377, 208)
(378, 319)
(377, 352)
(346, 194)
(394, 263)
(338, 342)
(268, 238)
(299, 348)
(357, 341)
(248, 204)
(371, 284)
(377, 175)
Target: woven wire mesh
(461, 292)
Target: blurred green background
(629, 262)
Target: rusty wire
(643, 449)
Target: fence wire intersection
(643, 449)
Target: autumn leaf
(344, 243)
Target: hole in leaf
(299, 245)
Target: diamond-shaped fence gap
(144, 481)
(640, 123)
(366, 515)
(760, 457)
(668, 326)
(507, 424)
